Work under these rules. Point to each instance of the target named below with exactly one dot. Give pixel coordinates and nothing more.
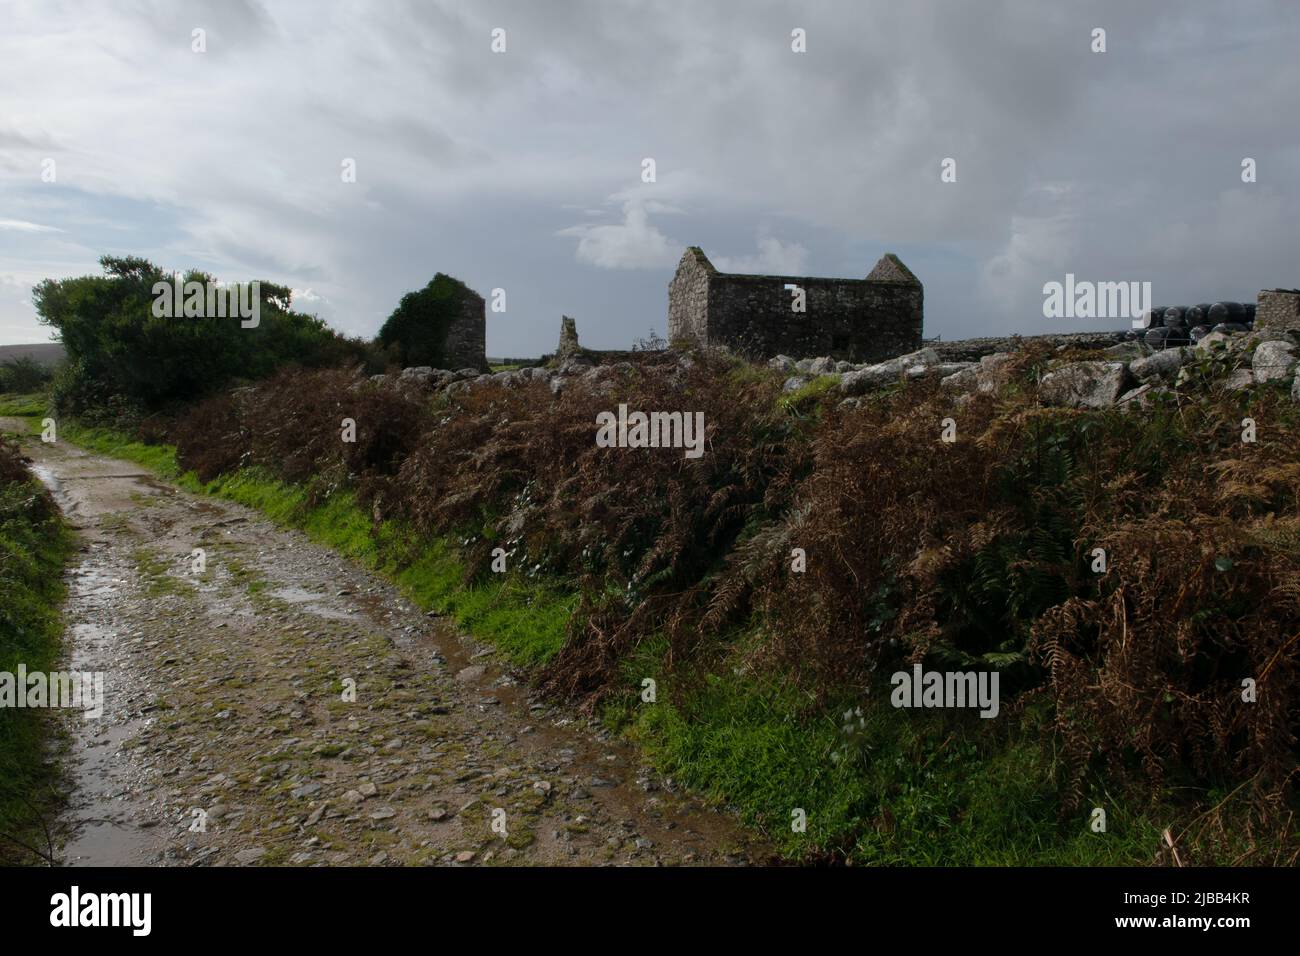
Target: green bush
(120, 351)
(23, 375)
(34, 546)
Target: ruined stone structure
(466, 342)
(568, 338)
(1278, 310)
(444, 325)
(856, 320)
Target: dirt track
(224, 694)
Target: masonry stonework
(466, 342)
(857, 320)
(1278, 310)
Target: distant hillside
(47, 353)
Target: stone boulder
(948, 369)
(1217, 341)
(983, 376)
(782, 363)
(1136, 398)
(424, 378)
(1124, 351)
(1273, 360)
(883, 373)
(575, 366)
(422, 375)
(1163, 364)
(1237, 380)
(1085, 384)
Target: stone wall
(972, 350)
(688, 298)
(568, 338)
(466, 342)
(1278, 311)
(856, 320)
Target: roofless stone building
(857, 320)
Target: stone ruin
(1130, 369)
(1277, 311)
(853, 320)
(568, 338)
(466, 342)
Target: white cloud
(19, 225)
(635, 243)
(774, 257)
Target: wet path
(230, 736)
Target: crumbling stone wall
(1277, 310)
(856, 320)
(466, 342)
(568, 338)
(688, 298)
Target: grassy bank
(878, 786)
(34, 548)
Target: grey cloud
(1116, 165)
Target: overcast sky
(522, 170)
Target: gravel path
(227, 740)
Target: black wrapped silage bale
(1153, 318)
(1155, 338)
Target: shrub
(23, 374)
(291, 426)
(34, 545)
(117, 348)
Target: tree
(119, 350)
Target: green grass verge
(23, 406)
(34, 548)
(879, 785)
(160, 459)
